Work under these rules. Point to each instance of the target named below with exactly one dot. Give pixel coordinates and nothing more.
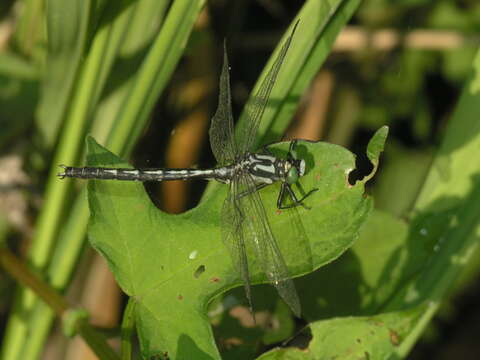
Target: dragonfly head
(297, 166)
(297, 169)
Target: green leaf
(155, 256)
(319, 24)
(372, 337)
(396, 265)
(407, 172)
(446, 218)
(375, 147)
(113, 20)
(18, 95)
(366, 276)
(67, 27)
(154, 73)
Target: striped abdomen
(141, 174)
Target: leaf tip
(375, 147)
(97, 155)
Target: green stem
(154, 74)
(95, 340)
(128, 327)
(20, 272)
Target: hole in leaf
(200, 270)
(363, 166)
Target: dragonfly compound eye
(292, 175)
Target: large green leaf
(366, 279)
(396, 265)
(67, 27)
(368, 337)
(446, 220)
(156, 257)
(319, 24)
(368, 275)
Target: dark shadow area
(187, 350)
(239, 338)
(363, 166)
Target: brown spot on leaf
(394, 338)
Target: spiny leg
(296, 201)
(293, 143)
(265, 148)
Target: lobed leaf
(156, 257)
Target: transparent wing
(301, 245)
(233, 236)
(256, 233)
(256, 105)
(221, 128)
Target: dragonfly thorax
(267, 169)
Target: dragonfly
(244, 221)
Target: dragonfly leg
(293, 143)
(281, 194)
(291, 156)
(266, 150)
(296, 201)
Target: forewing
(221, 128)
(297, 232)
(233, 236)
(258, 234)
(256, 105)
